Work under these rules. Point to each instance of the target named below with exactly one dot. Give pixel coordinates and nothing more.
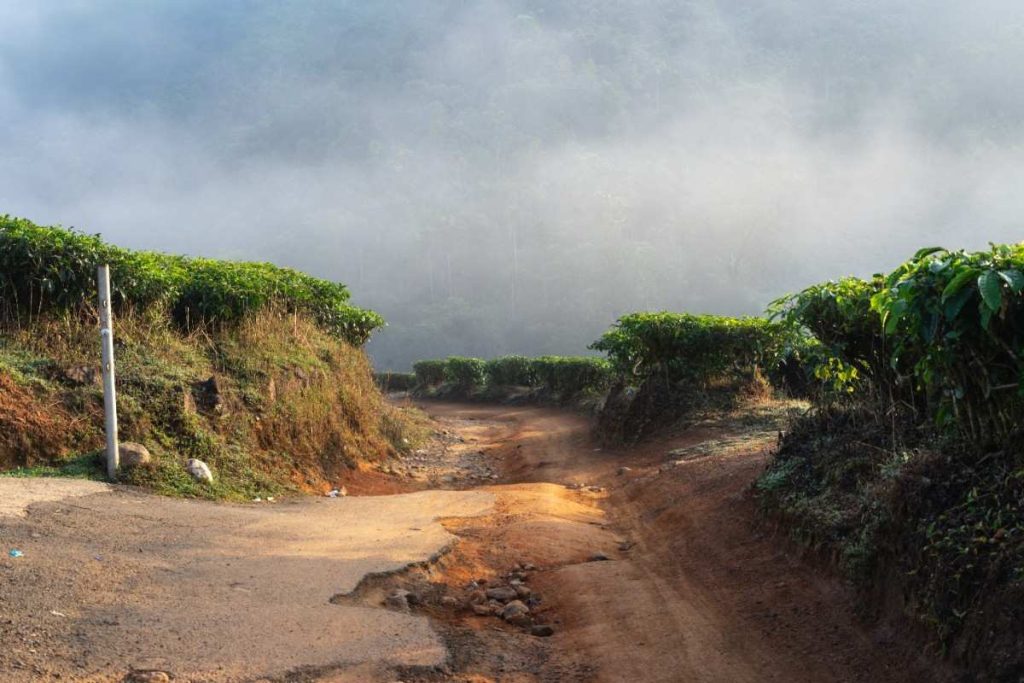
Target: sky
(510, 176)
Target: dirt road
(644, 562)
(692, 589)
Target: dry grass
(299, 408)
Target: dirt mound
(31, 431)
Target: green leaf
(1014, 278)
(991, 290)
(893, 316)
(986, 316)
(927, 251)
(958, 282)
(956, 304)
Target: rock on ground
(199, 470)
(133, 454)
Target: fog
(509, 177)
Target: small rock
(133, 454)
(199, 470)
(482, 610)
(625, 470)
(477, 597)
(449, 601)
(517, 613)
(542, 630)
(502, 593)
(598, 557)
(147, 677)
(523, 591)
(496, 607)
(527, 567)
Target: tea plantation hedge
(51, 268)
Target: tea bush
(51, 268)
(465, 373)
(572, 375)
(691, 348)
(954, 322)
(509, 371)
(566, 376)
(941, 336)
(840, 335)
(429, 373)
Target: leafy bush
(511, 371)
(942, 336)
(693, 348)
(837, 334)
(571, 375)
(465, 373)
(429, 373)
(48, 268)
(955, 322)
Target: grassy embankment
(294, 404)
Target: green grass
(85, 466)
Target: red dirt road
(693, 590)
(652, 574)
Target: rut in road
(692, 591)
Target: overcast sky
(510, 176)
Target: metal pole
(109, 395)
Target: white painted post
(109, 394)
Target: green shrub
(511, 371)
(49, 268)
(571, 375)
(429, 373)
(941, 336)
(840, 336)
(954, 322)
(692, 348)
(465, 373)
